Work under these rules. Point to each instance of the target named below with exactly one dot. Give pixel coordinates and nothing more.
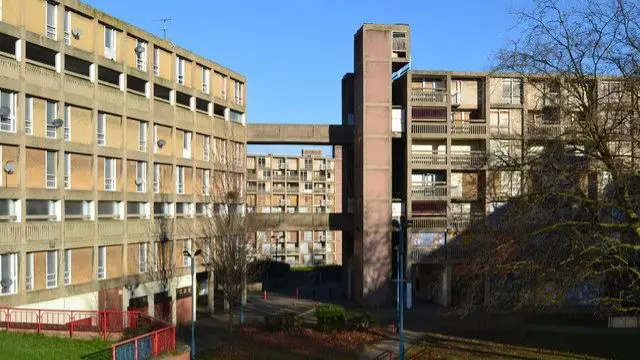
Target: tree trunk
(230, 322)
(211, 292)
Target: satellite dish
(76, 32)
(57, 122)
(161, 143)
(10, 167)
(5, 283)
(139, 49)
(139, 181)
(4, 112)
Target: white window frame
(101, 136)
(11, 120)
(50, 178)
(238, 92)
(13, 276)
(67, 123)
(206, 149)
(180, 179)
(156, 178)
(51, 30)
(186, 260)
(186, 145)
(498, 123)
(141, 59)
(110, 51)
(513, 86)
(28, 279)
(155, 139)
(67, 27)
(51, 279)
(180, 70)
(28, 115)
(142, 135)
(49, 129)
(206, 80)
(156, 61)
(67, 170)
(110, 181)
(142, 257)
(102, 257)
(67, 266)
(206, 186)
(141, 173)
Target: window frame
(180, 70)
(102, 270)
(141, 59)
(101, 136)
(54, 275)
(156, 61)
(142, 257)
(28, 278)
(67, 123)
(180, 175)
(28, 115)
(50, 179)
(67, 170)
(51, 30)
(113, 179)
(142, 135)
(50, 130)
(67, 267)
(67, 27)
(13, 103)
(141, 173)
(186, 246)
(13, 269)
(114, 39)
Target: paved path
(392, 345)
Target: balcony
(432, 222)
(110, 229)
(252, 175)
(278, 177)
(319, 190)
(42, 76)
(110, 94)
(138, 228)
(293, 189)
(252, 189)
(320, 178)
(9, 233)
(428, 158)
(429, 96)
(184, 117)
(78, 86)
(9, 68)
(278, 189)
(78, 230)
(428, 190)
(429, 128)
(471, 159)
(399, 42)
(431, 254)
(468, 128)
(138, 102)
(44, 231)
(550, 130)
(462, 222)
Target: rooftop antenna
(164, 26)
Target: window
(50, 164)
(50, 115)
(206, 186)
(142, 136)
(499, 122)
(186, 145)
(67, 123)
(180, 180)
(67, 27)
(109, 43)
(141, 58)
(200, 209)
(41, 210)
(206, 149)
(261, 162)
(136, 209)
(238, 92)
(161, 209)
(308, 187)
(28, 279)
(156, 178)
(28, 115)
(180, 70)
(183, 209)
(142, 257)
(9, 273)
(67, 266)
(141, 176)
(236, 116)
(102, 262)
(206, 80)
(511, 91)
(8, 210)
(109, 174)
(102, 126)
(67, 171)
(52, 20)
(186, 247)
(156, 61)
(8, 120)
(510, 182)
(77, 210)
(109, 209)
(52, 269)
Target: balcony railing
(319, 190)
(428, 190)
(468, 128)
(426, 128)
(430, 222)
(473, 158)
(550, 130)
(429, 96)
(428, 254)
(252, 176)
(428, 158)
(278, 177)
(399, 43)
(278, 189)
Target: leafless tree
(571, 213)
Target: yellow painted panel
(81, 265)
(188, 182)
(164, 132)
(81, 172)
(198, 147)
(100, 173)
(35, 171)
(133, 256)
(130, 54)
(119, 179)
(218, 81)
(86, 40)
(166, 178)
(166, 65)
(131, 176)
(114, 261)
(114, 131)
(179, 141)
(188, 76)
(39, 270)
(12, 12)
(81, 125)
(35, 20)
(10, 153)
(39, 113)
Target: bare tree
(570, 185)
(227, 233)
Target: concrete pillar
(211, 292)
(152, 304)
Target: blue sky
(295, 52)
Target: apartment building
(279, 184)
(104, 130)
(423, 149)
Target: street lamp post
(193, 299)
(400, 227)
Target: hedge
(330, 317)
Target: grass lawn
(459, 348)
(14, 345)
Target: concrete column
(152, 304)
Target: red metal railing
(384, 355)
(146, 345)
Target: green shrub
(285, 320)
(359, 320)
(330, 317)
